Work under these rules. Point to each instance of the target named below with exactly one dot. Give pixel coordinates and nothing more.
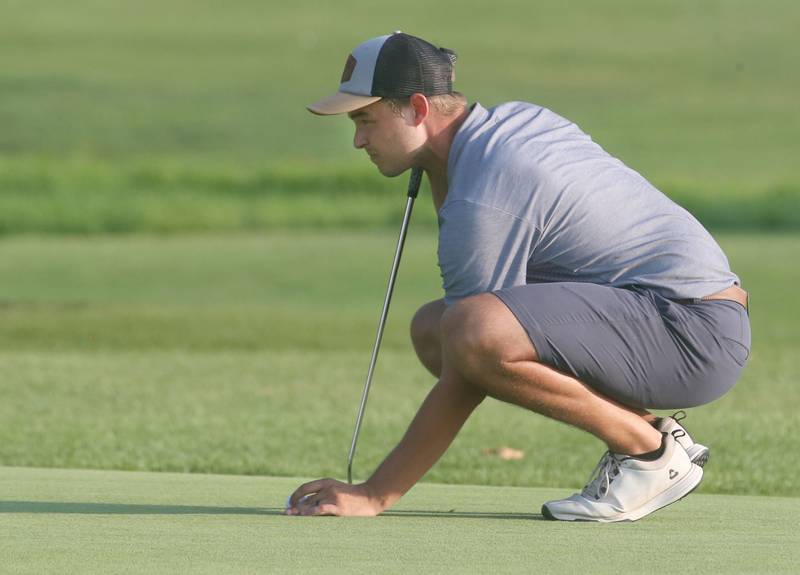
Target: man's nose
(359, 141)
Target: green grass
(247, 354)
(87, 198)
(127, 116)
(56, 521)
(244, 353)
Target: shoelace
(679, 415)
(604, 473)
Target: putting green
(54, 520)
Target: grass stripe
(116, 522)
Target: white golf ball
(289, 500)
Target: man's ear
(420, 107)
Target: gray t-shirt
(531, 198)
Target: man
(573, 288)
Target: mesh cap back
(407, 65)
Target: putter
(413, 188)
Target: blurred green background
(172, 116)
(193, 265)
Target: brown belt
(733, 293)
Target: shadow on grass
(138, 509)
(464, 514)
(128, 509)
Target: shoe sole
(699, 454)
(674, 493)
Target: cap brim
(341, 103)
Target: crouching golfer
(572, 288)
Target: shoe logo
(673, 474)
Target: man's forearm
(438, 420)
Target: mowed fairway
(193, 267)
(247, 355)
(117, 522)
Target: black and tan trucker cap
(392, 66)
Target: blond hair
(444, 104)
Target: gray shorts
(634, 345)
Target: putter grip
(414, 181)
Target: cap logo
(349, 66)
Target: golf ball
(289, 500)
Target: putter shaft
(413, 188)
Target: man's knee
(465, 335)
(480, 332)
(425, 324)
(426, 337)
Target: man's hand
(331, 497)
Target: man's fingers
(307, 489)
(317, 506)
(331, 497)
(325, 509)
(304, 504)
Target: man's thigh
(629, 344)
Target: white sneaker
(698, 452)
(623, 488)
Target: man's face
(390, 139)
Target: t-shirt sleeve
(481, 249)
